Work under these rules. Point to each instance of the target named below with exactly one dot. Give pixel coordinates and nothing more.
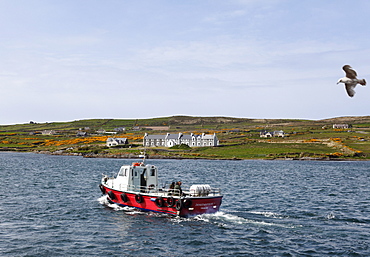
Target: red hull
(183, 207)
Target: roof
(155, 137)
(189, 137)
(118, 140)
(208, 136)
(172, 136)
(177, 136)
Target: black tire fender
(178, 205)
(124, 197)
(111, 195)
(159, 201)
(139, 198)
(170, 201)
(102, 189)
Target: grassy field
(239, 138)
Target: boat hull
(179, 206)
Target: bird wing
(350, 73)
(350, 90)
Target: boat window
(144, 174)
(123, 172)
(152, 172)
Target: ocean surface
(52, 206)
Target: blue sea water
(52, 206)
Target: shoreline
(159, 157)
(162, 157)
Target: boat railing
(151, 189)
(173, 192)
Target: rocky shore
(158, 156)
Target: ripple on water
(52, 207)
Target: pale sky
(65, 60)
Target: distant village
(170, 140)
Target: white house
(112, 141)
(267, 134)
(48, 132)
(279, 133)
(81, 133)
(341, 126)
(101, 131)
(120, 129)
(170, 140)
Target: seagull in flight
(351, 80)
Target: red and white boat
(136, 186)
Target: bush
(182, 147)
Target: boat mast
(143, 155)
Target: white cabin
(137, 178)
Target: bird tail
(362, 82)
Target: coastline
(133, 156)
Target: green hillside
(239, 137)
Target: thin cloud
(195, 58)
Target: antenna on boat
(143, 155)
